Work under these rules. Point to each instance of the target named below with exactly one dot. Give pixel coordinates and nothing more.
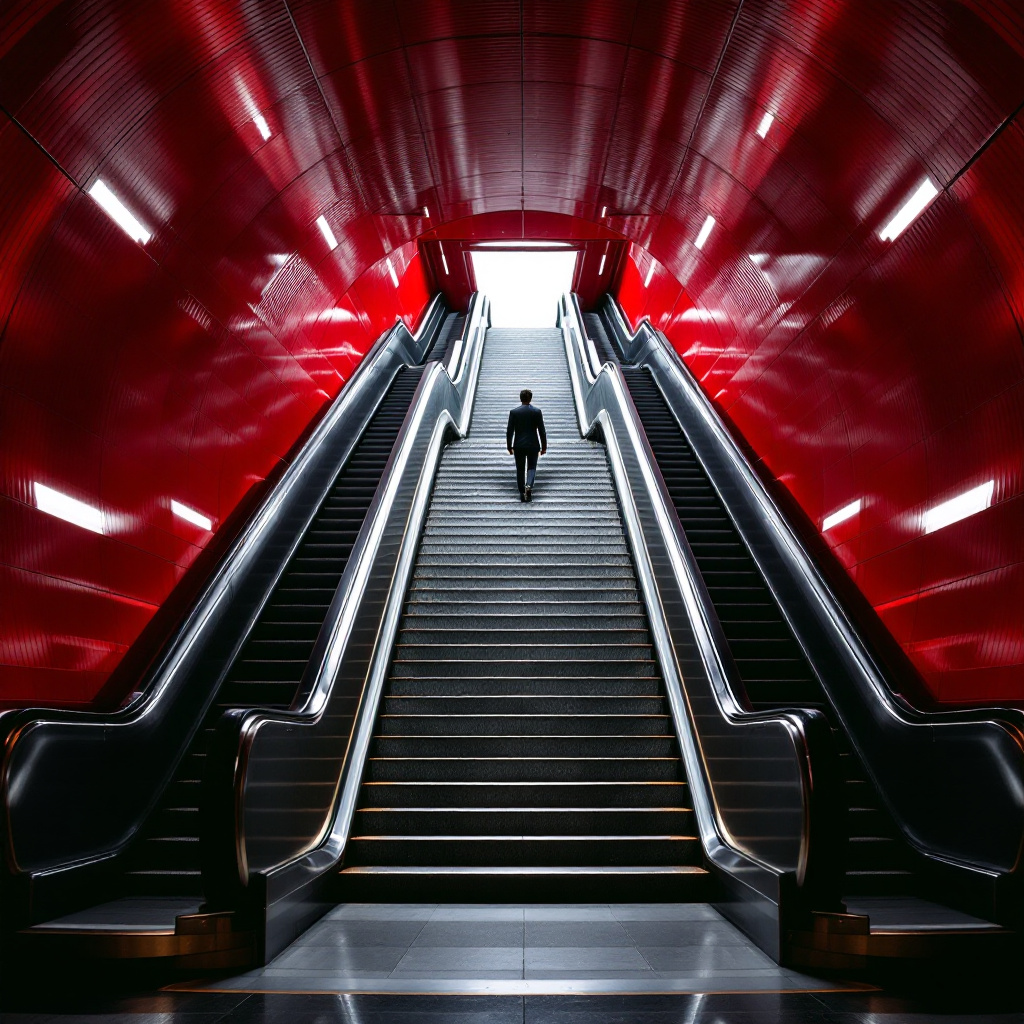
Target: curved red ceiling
(207, 349)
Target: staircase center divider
(281, 787)
(765, 785)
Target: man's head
(525, 396)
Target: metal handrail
(756, 799)
(951, 779)
(281, 787)
(77, 785)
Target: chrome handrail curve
(292, 778)
(77, 785)
(953, 780)
(794, 832)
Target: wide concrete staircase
(524, 746)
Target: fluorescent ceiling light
(841, 515)
(444, 263)
(69, 509)
(766, 123)
(118, 212)
(426, 211)
(910, 210)
(709, 223)
(977, 499)
(604, 211)
(190, 515)
(519, 243)
(325, 230)
(650, 274)
(600, 269)
(391, 271)
(261, 122)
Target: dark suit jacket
(526, 429)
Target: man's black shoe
(529, 493)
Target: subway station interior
(312, 710)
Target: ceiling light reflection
(766, 123)
(261, 122)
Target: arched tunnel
(797, 226)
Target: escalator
(524, 746)
(900, 900)
(160, 876)
(770, 662)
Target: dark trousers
(526, 469)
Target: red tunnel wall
(852, 366)
(904, 391)
(199, 413)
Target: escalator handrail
(353, 656)
(892, 737)
(798, 736)
(105, 771)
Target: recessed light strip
(261, 123)
(190, 515)
(766, 123)
(118, 212)
(325, 230)
(391, 271)
(71, 510)
(705, 231)
(841, 515)
(977, 499)
(910, 210)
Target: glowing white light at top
(522, 243)
(766, 123)
(444, 263)
(701, 238)
(190, 515)
(600, 269)
(69, 509)
(977, 499)
(118, 212)
(325, 230)
(842, 514)
(910, 210)
(391, 271)
(261, 122)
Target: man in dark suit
(526, 440)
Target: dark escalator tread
(771, 665)
(269, 669)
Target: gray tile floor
(523, 949)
